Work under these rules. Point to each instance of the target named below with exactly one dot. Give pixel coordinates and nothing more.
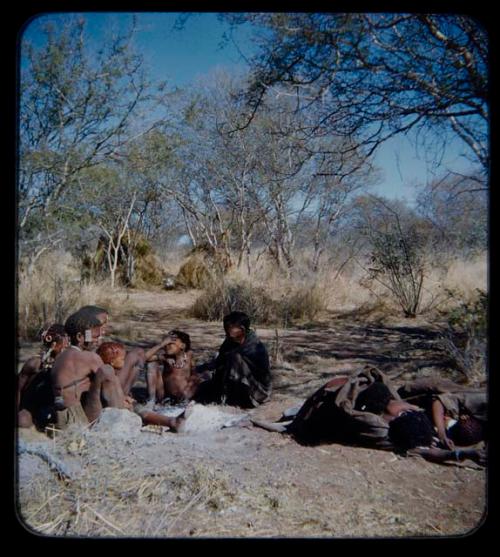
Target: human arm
(435, 454)
(30, 368)
(149, 354)
(438, 418)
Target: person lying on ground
(241, 371)
(173, 375)
(115, 355)
(458, 412)
(34, 389)
(365, 409)
(81, 382)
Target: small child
(173, 376)
(114, 354)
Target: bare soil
(244, 482)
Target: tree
(376, 75)
(76, 111)
(458, 212)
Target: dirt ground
(245, 482)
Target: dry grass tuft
(194, 273)
(222, 297)
(53, 290)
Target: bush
(305, 303)
(464, 340)
(222, 297)
(398, 264)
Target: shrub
(464, 339)
(224, 296)
(220, 298)
(397, 263)
(304, 303)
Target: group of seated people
(78, 374)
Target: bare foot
(180, 421)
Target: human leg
(105, 390)
(154, 380)
(175, 424)
(127, 378)
(24, 418)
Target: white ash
(118, 422)
(204, 418)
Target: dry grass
(261, 304)
(54, 290)
(165, 503)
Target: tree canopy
(376, 75)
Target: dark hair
(109, 350)
(467, 432)
(55, 333)
(237, 318)
(411, 429)
(184, 337)
(374, 398)
(84, 318)
(96, 310)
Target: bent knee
(24, 419)
(106, 373)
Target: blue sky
(182, 56)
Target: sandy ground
(241, 482)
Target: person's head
(410, 430)
(85, 327)
(100, 313)
(236, 325)
(55, 338)
(112, 353)
(178, 342)
(374, 398)
(467, 431)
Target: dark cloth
(242, 375)
(329, 415)
(38, 399)
(456, 399)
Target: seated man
(81, 382)
(365, 409)
(34, 393)
(242, 375)
(115, 355)
(173, 375)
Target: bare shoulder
(31, 365)
(95, 358)
(84, 356)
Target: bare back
(71, 374)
